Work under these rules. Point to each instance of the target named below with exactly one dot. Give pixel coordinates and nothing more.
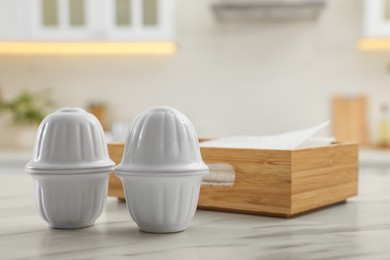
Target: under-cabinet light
(374, 44)
(86, 48)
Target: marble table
(358, 229)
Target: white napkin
(286, 141)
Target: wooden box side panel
(323, 176)
(262, 182)
(115, 188)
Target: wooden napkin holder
(281, 183)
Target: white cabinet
(376, 18)
(14, 19)
(61, 19)
(140, 19)
(84, 20)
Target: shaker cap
(69, 140)
(162, 139)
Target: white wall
(254, 79)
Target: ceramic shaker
(70, 167)
(161, 170)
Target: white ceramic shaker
(161, 170)
(70, 167)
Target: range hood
(267, 10)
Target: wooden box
(279, 183)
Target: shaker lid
(162, 139)
(70, 139)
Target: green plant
(28, 108)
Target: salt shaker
(70, 167)
(161, 170)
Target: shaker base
(72, 226)
(162, 229)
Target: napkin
(286, 141)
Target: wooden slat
(309, 180)
(266, 157)
(318, 198)
(237, 200)
(322, 157)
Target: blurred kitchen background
(233, 67)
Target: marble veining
(358, 229)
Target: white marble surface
(358, 229)
(374, 157)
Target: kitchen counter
(374, 157)
(358, 229)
